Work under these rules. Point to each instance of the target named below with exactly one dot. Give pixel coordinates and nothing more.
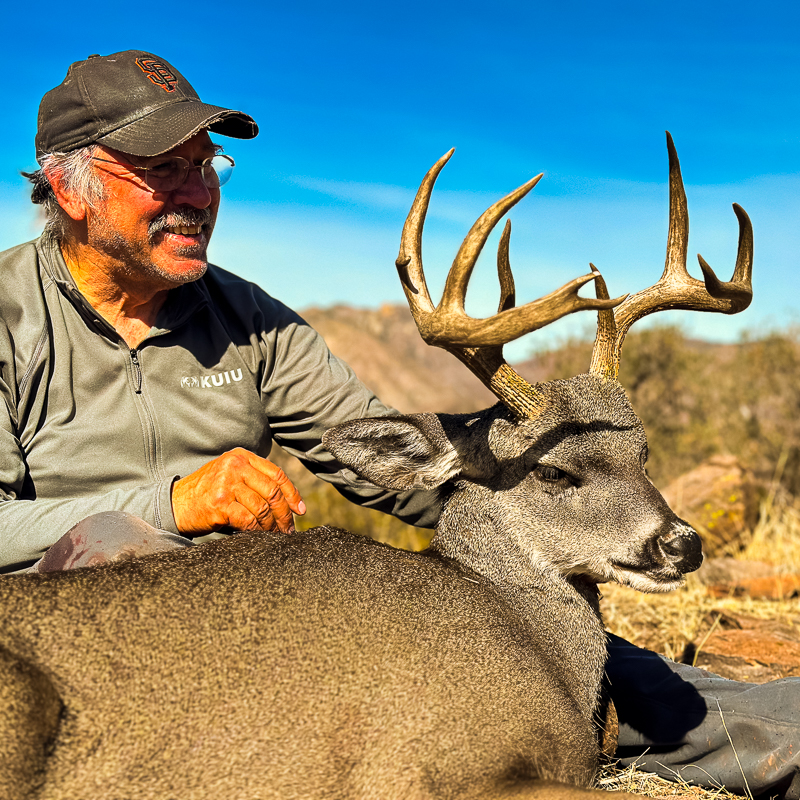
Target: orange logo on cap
(160, 74)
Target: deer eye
(550, 474)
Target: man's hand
(239, 490)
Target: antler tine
(606, 340)
(678, 231)
(676, 289)
(508, 295)
(409, 260)
(739, 290)
(455, 288)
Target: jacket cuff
(164, 518)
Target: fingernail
(301, 507)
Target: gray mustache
(185, 217)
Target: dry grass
(776, 538)
(616, 779)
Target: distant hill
(387, 353)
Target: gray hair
(77, 173)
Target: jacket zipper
(137, 371)
(149, 430)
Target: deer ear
(410, 452)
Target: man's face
(154, 238)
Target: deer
(327, 665)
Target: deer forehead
(584, 415)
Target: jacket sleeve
(306, 390)
(28, 526)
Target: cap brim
(169, 126)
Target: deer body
(321, 665)
(326, 665)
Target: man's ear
(396, 452)
(66, 198)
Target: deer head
(553, 478)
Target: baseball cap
(132, 101)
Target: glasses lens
(217, 171)
(167, 176)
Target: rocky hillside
(386, 352)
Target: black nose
(682, 547)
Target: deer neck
(561, 613)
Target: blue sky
(356, 100)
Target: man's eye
(164, 170)
(549, 474)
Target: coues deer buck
(325, 665)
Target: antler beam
(676, 289)
(479, 342)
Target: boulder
(721, 500)
(725, 576)
(774, 587)
(726, 570)
(748, 649)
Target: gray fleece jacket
(89, 425)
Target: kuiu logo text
(209, 381)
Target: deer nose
(682, 547)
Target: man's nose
(192, 192)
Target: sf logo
(158, 73)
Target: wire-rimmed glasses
(171, 173)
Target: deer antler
(676, 288)
(479, 342)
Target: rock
(729, 570)
(732, 577)
(721, 500)
(748, 649)
(775, 587)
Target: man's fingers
(263, 498)
(238, 489)
(240, 519)
(287, 488)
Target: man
(136, 377)
(130, 365)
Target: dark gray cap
(134, 102)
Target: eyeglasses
(172, 173)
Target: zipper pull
(137, 371)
